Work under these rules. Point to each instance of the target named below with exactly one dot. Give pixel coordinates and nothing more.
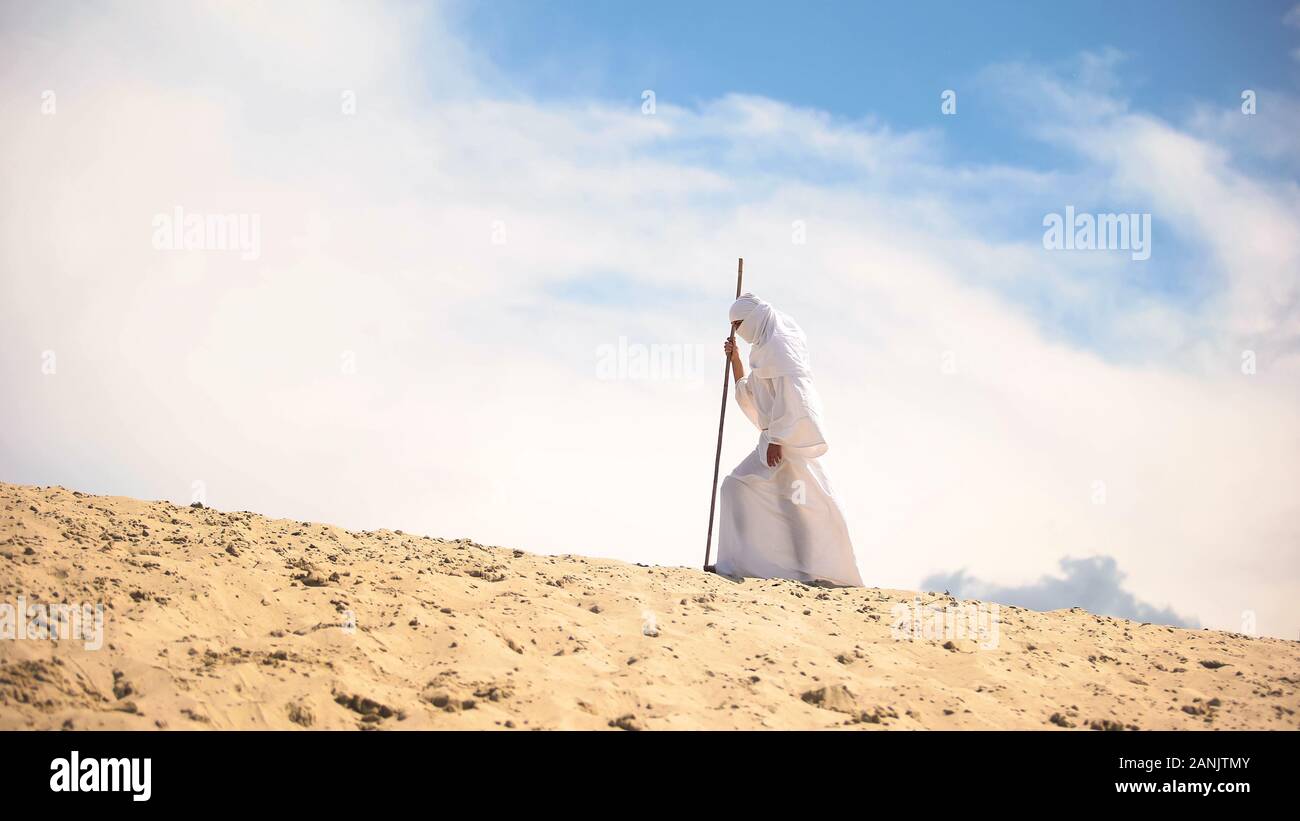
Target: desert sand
(236, 621)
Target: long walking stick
(722, 418)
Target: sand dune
(233, 620)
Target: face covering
(749, 309)
(779, 347)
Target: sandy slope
(232, 620)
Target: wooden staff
(722, 418)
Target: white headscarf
(779, 346)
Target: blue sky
(885, 65)
(889, 61)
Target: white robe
(784, 522)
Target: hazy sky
(470, 223)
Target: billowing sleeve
(796, 416)
(745, 398)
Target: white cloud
(475, 408)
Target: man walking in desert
(780, 518)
